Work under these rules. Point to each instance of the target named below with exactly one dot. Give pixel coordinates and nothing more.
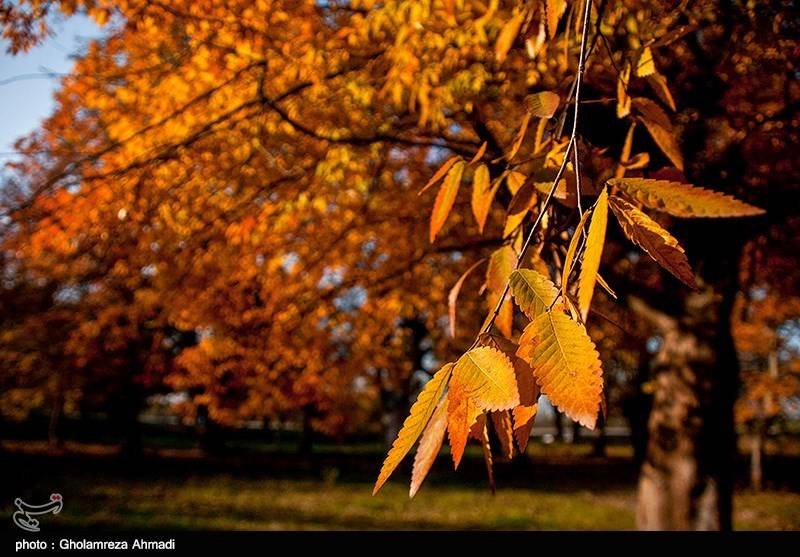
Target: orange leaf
(462, 411)
(565, 363)
(684, 200)
(452, 297)
(446, 198)
(653, 239)
(508, 33)
(439, 174)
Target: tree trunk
(686, 480)
(756, 451)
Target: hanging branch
(570, 146)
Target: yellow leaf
(590, 263)
(507, 35)
(429, 446)
(533, 292)
(486, 376)
(660, 128)
(571, 252)
(445, 198)
(653, 239)
(416, 421)
(566, 365)
(501, 264)
(520, 136)
(555, 9)
(525, 412)
(684, 200)
(645, 65)
(482, 195)
(543, 104)
(514, 181)
(623, 99)
(439, 174)
(452, 297)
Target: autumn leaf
(508, 33)
(445, 198)
(462, 411)
(533, 292)
(415, 423)
(565, 364)
(505, 432)
(653, 239)
(659, 84)
(479, 154)
(429, 446)
(439, 174)
(487, 455)
(554, 9)
(452, 297)
(542, 104)
(501, 264)
(590, 264)
(486, 376)
(623, 99)
(572, 250)
(482, 195)
(684, 200)
(645, 65)
(660, 128)
(523, 128)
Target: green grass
(558, 487)
(227, 501)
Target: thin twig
(572, 142)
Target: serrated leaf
(462, 412)
(415, 423)
(684, 200)
(446, 198)
(482, 195)
(505, 432)
(571, 253)
(533, 292)
(653, 239)
(525, 412)
(429, 446)
(542, 104)
(452, 297)
(660, 128)
(566, 365)
(590, 264)
(439, 174)
(645, 65)
(507, 34)
(554, 9)
(486, 375)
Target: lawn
(167, 493)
